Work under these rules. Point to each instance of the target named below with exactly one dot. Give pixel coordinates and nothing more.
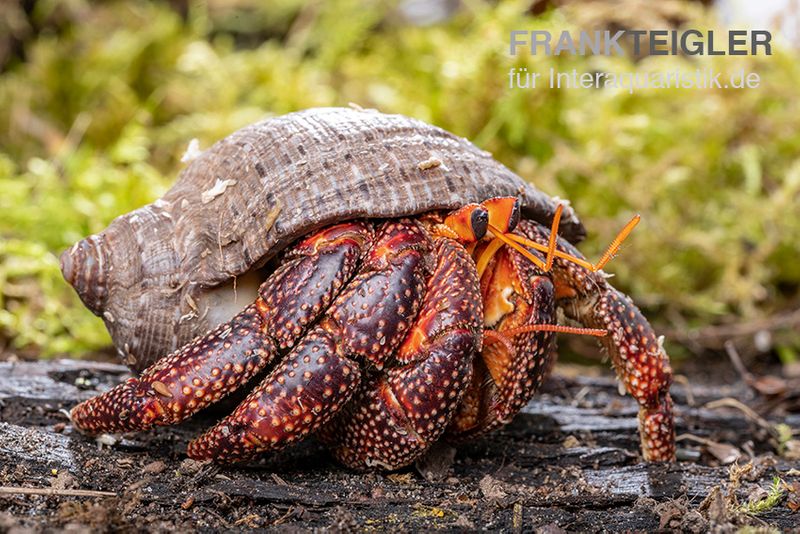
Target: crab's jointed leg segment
(187, 381)
(509, 369)
(405, 409)
(363, 327)
(639, 359)
(214, 365)
(295, 398)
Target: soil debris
(520, 478)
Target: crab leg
(639, 359)
(509, 369)
(406, 409)
(364, 326)
(214, 365)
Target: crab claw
(216, 364)
(187, 381)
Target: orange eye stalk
(503, 213)
(469, 223)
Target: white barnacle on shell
(430, 163)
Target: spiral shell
(166, 272)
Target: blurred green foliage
(98, 102)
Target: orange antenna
(516, 246)
(557, 253)
(504, 336)
(553, 252)
(487, 254)
(613, 248)
(596, 332)
(551, 245)
(500, 215)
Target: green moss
(774, 496)
(108, 96)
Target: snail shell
(174, 269)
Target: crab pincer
(363, 327)
(212, 366)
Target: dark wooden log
(570, 461)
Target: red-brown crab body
(383, 336)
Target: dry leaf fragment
(793, 491)
(724, 452)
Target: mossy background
(99, 101)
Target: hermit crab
(410, 293)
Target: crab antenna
(487, 255)
(500, 215)
(596, 332)
(504, 336)
(557, 253)
(516, 246)
(498, 242)
(609, 254)
(613, 248)
(551, 245)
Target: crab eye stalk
(504, 212)
(470, 222)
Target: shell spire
(85, 267)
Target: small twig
(282, 519)
(730, 402)
(736, 360)
(13, 490)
